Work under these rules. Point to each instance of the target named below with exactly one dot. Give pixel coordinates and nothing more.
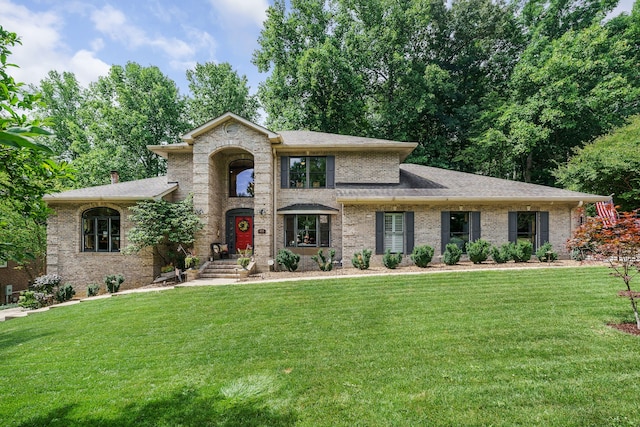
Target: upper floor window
(307, 172)
(241, 178)
(101, 230)
(307, 230)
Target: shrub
(113, 282)
(422, 255)
(522, 251)
(478, 251)
(46, 283)
(93, 289)
(546, 253)
(391, 260)
(361, 259)
(64, 293)
(452, 254)
(325, 263)
(501, 254)
(288, 259)
(28, 300)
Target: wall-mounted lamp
(262, 211)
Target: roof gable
(190, 137)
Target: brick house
(302, 191)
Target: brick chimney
(115, 178)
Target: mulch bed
(629, 328)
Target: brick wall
(367, 167)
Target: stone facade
(368, 178)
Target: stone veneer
(66, 258)
(358, 228)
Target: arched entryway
(239, 226)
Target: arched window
(101, 230)
(241, 178)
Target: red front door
(244, 232)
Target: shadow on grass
(182, 408)
(14, 338)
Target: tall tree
(610, 164)
(216, 89)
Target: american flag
(607, 211)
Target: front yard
(517, 347)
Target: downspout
(274, 188)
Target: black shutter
(408, 223)
(475, 226)
(543, 218)
(284, 172)
(445, 228)
(513, 227)
(379, 233)
(331, 171)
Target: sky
(86, 37)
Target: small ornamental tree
(618, 244)
(163, 226)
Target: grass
(527, 347)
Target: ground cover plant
(517, 347)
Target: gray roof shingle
(428, 184)
(150, 188)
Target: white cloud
(253, 10)
(42, 47)
(113, 23)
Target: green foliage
(28, 300)
(113, 282)
(325, 263)
(93, 289)
(191, 261)
(360, 260)
(288, 259)
(545, 253)
(46, 283)
(502, 254)
(452, 254)
(610, 164)
(390, 260)
(64, 293)
(478, 251)
(521, 251)
(163, 226)
(422, 255)
(244, 262)
(217, 89)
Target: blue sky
(86, 37)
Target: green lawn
(527, 347)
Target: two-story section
(264, 191)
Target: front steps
(222, 269)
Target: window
(529, 226)
(307, 230)
(241, 178)
(307, 172)
(394, 231)
(460, 228)
(101, 230)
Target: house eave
(402, 148)
(579, 200)
(165, 149)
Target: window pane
(241, 178)
(318, 172)
(297, 172)
(394, 232)
(290, 230)
(103, 234)
(527, 227)
(115, 235)
(89, 234)
(459, 229)
(307, 230)
(324, 230)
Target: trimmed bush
(478, 251)
(422, 255)
(28, 300)
(288, 259)
(546, 253)
(361, 259)
(113, 282)
(325, 263)
(501, 254)
(93, 289)
(452, 254)
(64, 293)
(391, 260)
(522, 251)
